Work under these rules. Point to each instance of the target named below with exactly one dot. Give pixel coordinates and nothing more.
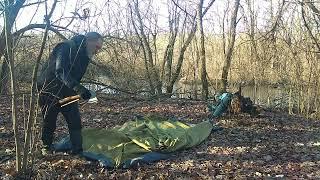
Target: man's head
(94, 42)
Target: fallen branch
(113, 88)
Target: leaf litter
(272, 145)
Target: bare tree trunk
(184, 47)
(168, 66)
(290, 102)
(168, 55)
(204, 80)
(176, 73)
(13, 9)
(4, 77)
(10, 60)
(313, 37)
(33, 100)
(195, 69)
(147, 48)
(231, 40)
(254, 58)
(146, 62)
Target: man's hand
(82, 91)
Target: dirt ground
(272, 145)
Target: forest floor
(273, 145)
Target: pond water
(262, 95)
(270, 96)
(265, 95)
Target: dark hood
(80, 40)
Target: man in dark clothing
(60, 78)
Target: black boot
(47, 147)
(76, 142)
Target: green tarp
(136, 138)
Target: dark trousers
(50, 109)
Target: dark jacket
(66, 66)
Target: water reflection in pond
(298, 101)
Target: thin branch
(313, 8)
(175, 3)
(308, 28)
(276, 24)
(207, 8)
(39, 26)
(31, 4)
(31, 116)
